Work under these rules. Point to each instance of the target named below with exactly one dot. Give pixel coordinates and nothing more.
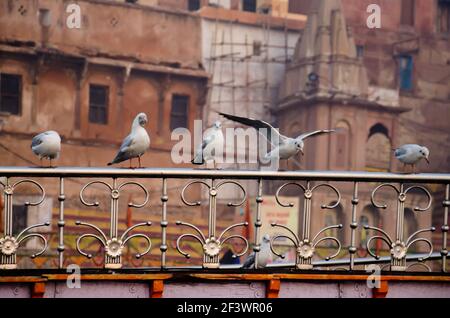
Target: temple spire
(325, 62)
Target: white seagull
(411, 154)
(47, 145)
(285, 147)
(264, 255)
(136, 143)
(212, 140)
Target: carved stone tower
(326, 86)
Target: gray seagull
(136, 143)
(264, 255)
(285, 147)
(213, 138)
(411, 155)
(47, 145)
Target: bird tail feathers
(195, 161)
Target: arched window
(378, 129)
(378, 149)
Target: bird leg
(139, 159)
(413, 168)
(51, 163)
(405, 170)
(216, 167)
(287, 165)
(131, 162)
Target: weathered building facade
(89, 84)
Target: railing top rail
(360, 176)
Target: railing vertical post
(353, 226)
(110, 261)
(61, 223)
(305, 262)
(164, 223)
(445, 228)
(211, 260)
(8, 260)
(399, 263)
(258, 222)
(212, 211)
(307, 212)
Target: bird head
(217, 125)
(142, 119)
(266, 238)
(299, 145)
(425, 153)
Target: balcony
(113, 226)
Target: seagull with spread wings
(285, 147)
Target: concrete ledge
(224, 285)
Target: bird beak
(301, 151)
(428, 160)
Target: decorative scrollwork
(372, 197)
(402, 196)
(96, 203)
(306, 247)
(308, 193)
(9, 244)
(240, 186)
(399, 247)
(183, 198)
(211, 244)
(114, 245)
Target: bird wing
(314, 133)
(249, 261)
(272, 133)
(37, 140)
(209, 138)
(122, 153)
(400, 151)
(127, 142)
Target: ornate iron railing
(397, 246)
